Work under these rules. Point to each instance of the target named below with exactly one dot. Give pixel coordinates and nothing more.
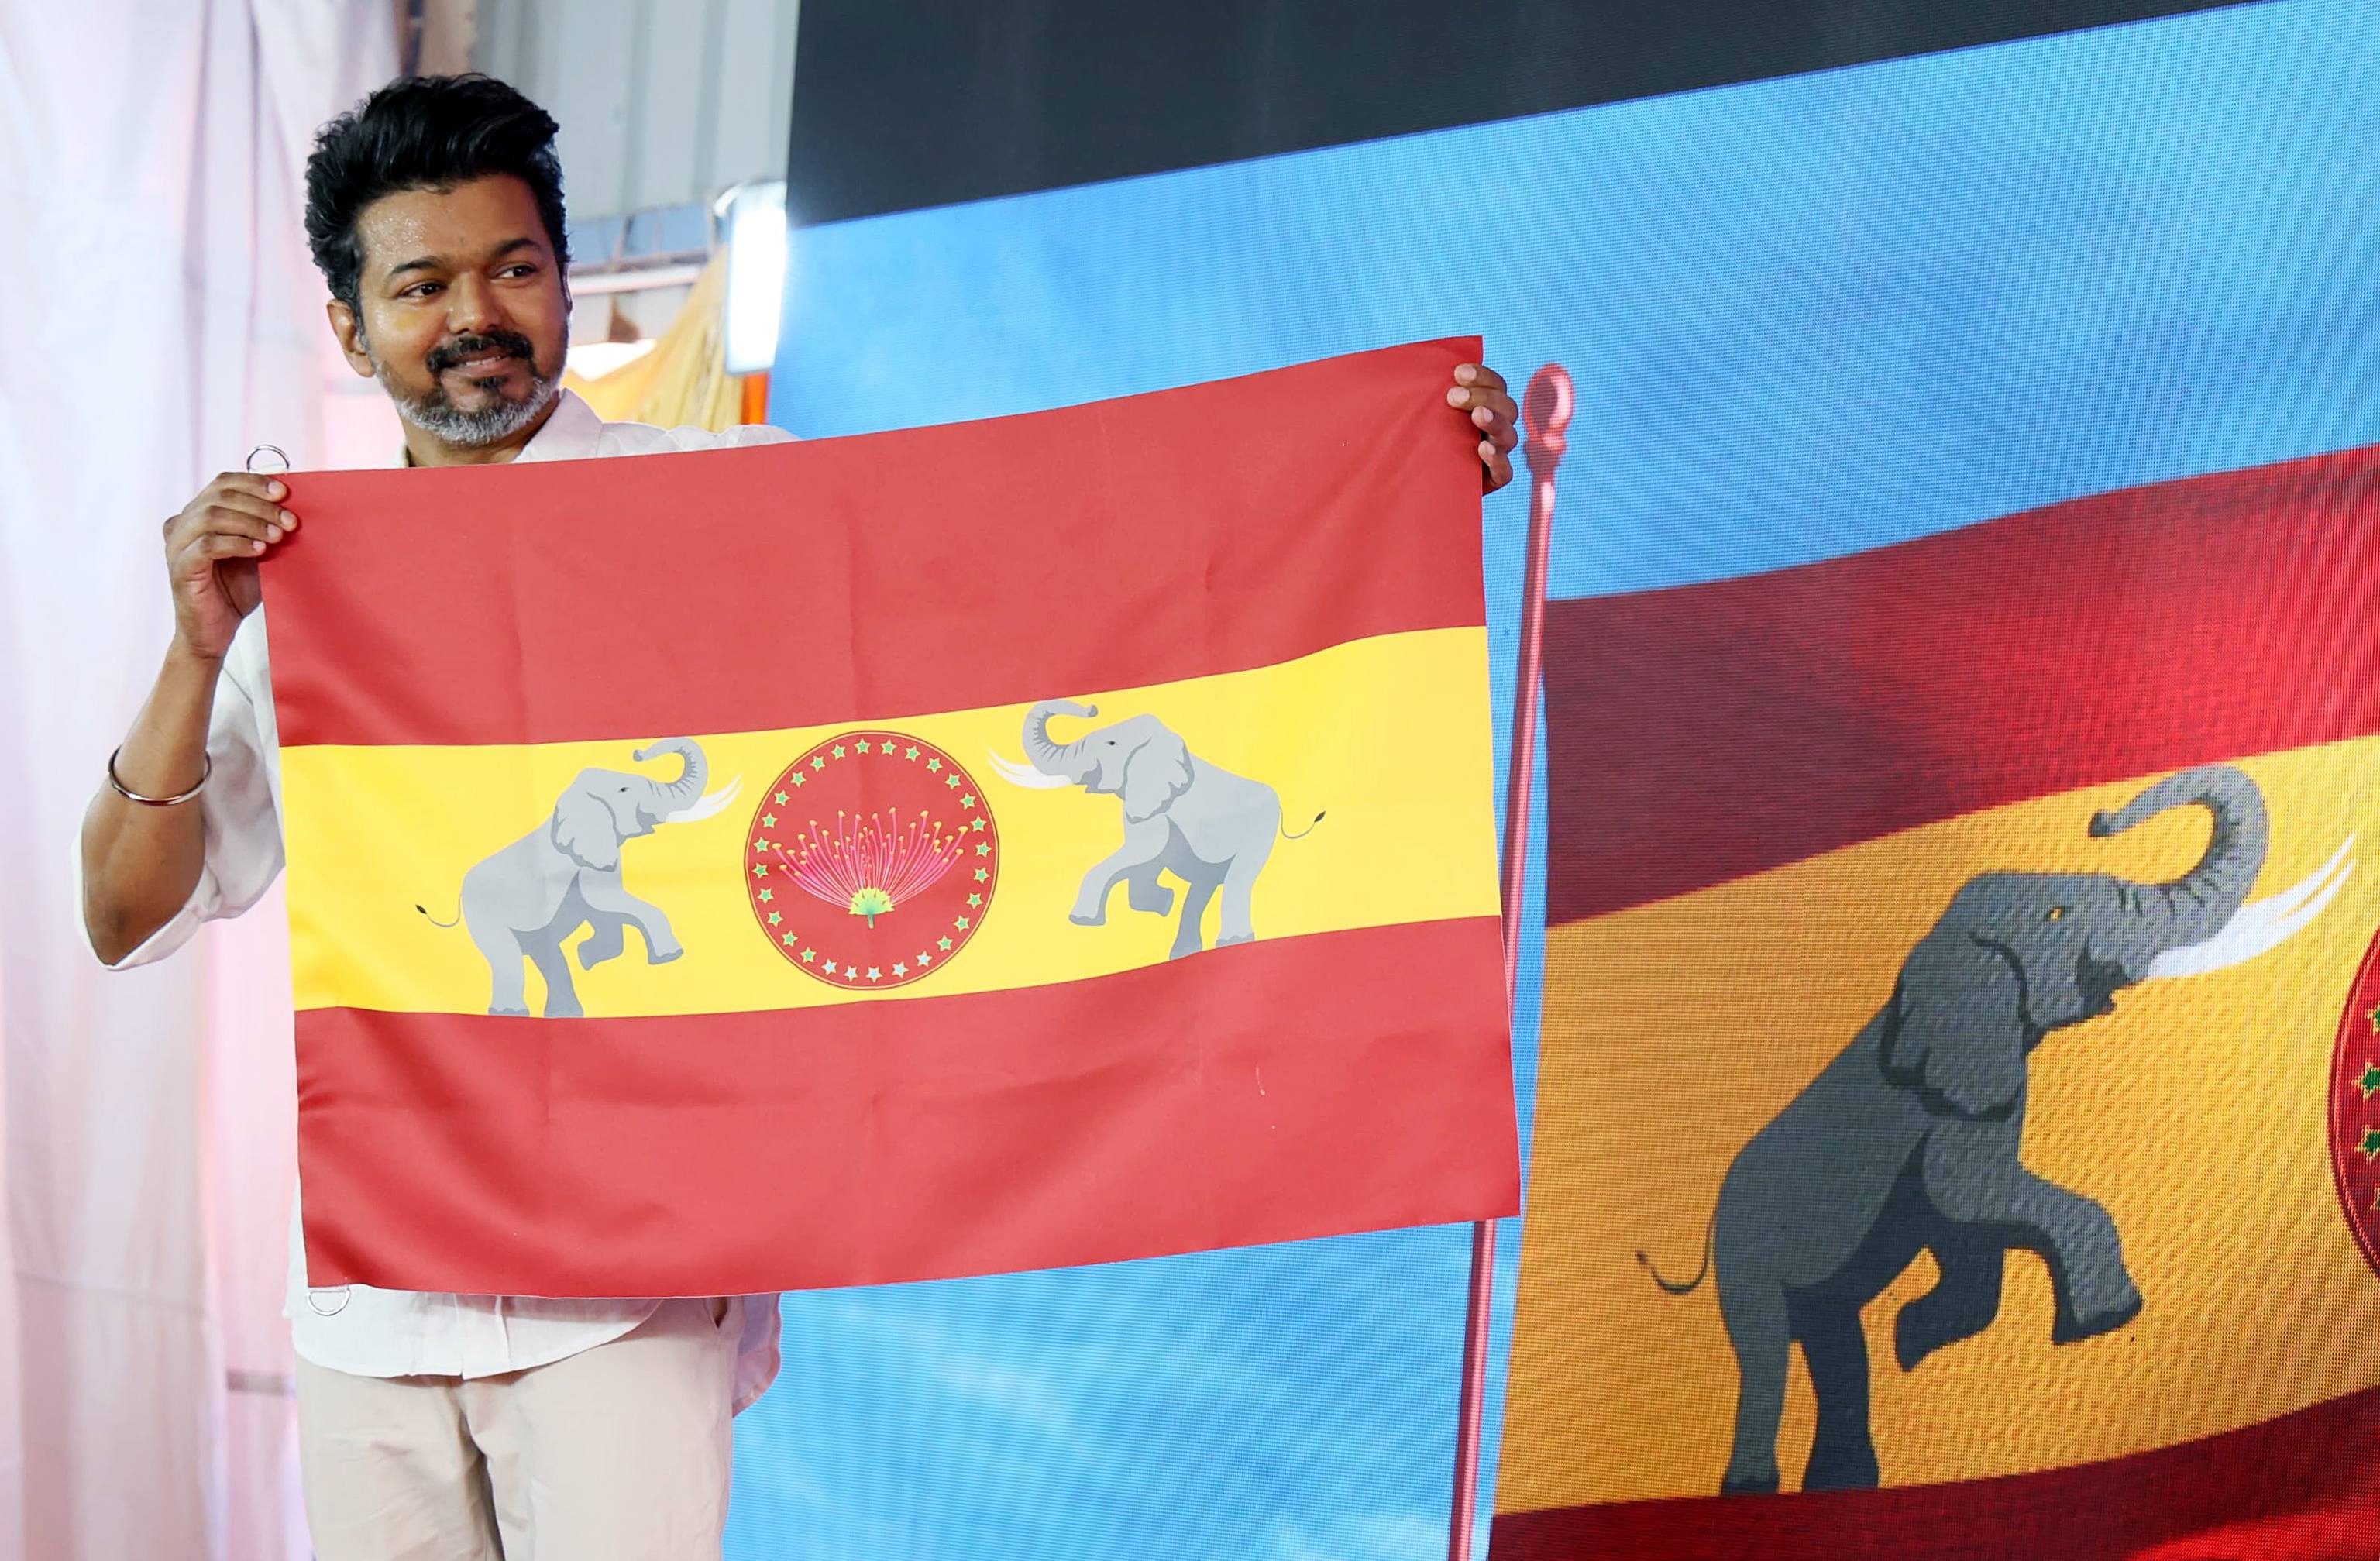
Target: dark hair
(425, 132)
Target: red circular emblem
(871, 860)
(2355, 1108)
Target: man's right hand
(211, 552)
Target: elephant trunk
(2196, 905)
(687, 790)
(1048, 756)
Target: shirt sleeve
(243, 829)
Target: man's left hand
(1478, 393)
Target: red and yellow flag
(1959, 1120)
(1047, 840)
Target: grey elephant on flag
(524, 902)
(1909, 1139)
(1182, 815)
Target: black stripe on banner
(906, 103)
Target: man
(442, 1425)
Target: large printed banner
(1825, 279)
(1036, 841)
(1959, 1117)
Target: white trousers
(618, 1453)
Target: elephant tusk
(2263, 926)
(710, 804)
(1025, 775)
(2297, 894)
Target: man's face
(462, 312)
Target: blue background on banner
(1805, 317)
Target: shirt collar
(570, 433)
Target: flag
(1046, 841)
(1959, 1126)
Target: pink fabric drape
(164, 318)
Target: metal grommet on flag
(338, 1294)
(273, 450)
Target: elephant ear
(584, 830)
(1158, 771)
(1956, 1033)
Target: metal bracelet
(128, 794)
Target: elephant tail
(434, 921)
(1307, 830)
(1701, 1274)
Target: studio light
(756, 273)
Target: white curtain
(158, 316)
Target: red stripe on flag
(1699, 734)
(1338, 1081)
(2304, 1487)
(1128, 542)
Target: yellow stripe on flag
(2196, 1114)
(1389, 736)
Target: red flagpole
(1545, 411)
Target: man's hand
(140, 864)
(211, 552)
(1479, 391)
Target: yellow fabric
(683, 382)
(1388, 736)
(2196, 1113)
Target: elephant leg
(561, 996)
(1761, 1331)
(1091, 898)
(1145, 893)
(1239, 892)
(606, 899)
(1843, 1453)
(1963, 1301)
(607, 942)
(507, 980)
(1143, 849)
(1190, 937)
(1973, 1178)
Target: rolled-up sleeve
(243, 828)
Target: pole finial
(1545, 413)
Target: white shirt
(356, 1329)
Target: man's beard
(435, 414)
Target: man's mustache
(446, 355)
